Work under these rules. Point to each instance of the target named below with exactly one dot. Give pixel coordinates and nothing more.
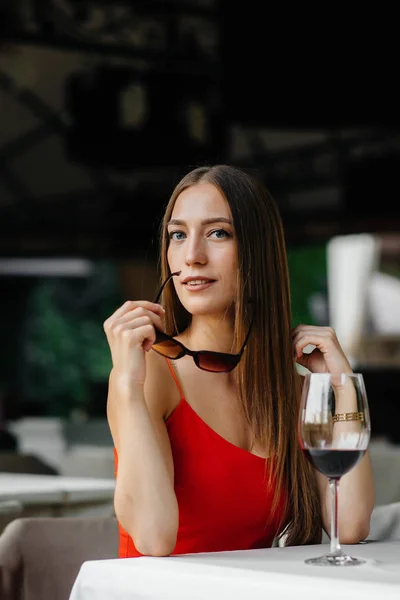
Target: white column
(351, 260)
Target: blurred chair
(9, 510)
(40, 557)
(17, 462)
(385, 461)
(385, 522)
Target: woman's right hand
(130, 332)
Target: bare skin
(142, 393)
(357, 494)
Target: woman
(206, 448)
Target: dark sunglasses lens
(216, 363)
(168, 348)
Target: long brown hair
(270, 394)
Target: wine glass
(334, 433)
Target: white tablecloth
(244, 575)
(55, 494)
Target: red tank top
(223, 496)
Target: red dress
(223, 497)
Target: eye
(176, 235)
(220, 233)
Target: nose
(196, 252)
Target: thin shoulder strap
(175, 378)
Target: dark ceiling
(330, 111)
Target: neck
(210, 334)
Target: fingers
(131, 309)
(132, 304)
(134, 324)
(323, 338)
(324, 353)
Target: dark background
(104, 105)
(325, 90)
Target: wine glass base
(335, 560)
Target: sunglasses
(215, 362)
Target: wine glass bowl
(334, 434)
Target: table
(55, 495)
(245, 575)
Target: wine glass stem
(335, 546)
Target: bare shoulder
(160, 388)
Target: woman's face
(203, 247)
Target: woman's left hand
(327, 356)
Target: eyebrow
(204, 222)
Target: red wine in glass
(334, 434)
(333, 463)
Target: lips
(197, 281)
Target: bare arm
(145, 501)
(355, 502)
(357, 491)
